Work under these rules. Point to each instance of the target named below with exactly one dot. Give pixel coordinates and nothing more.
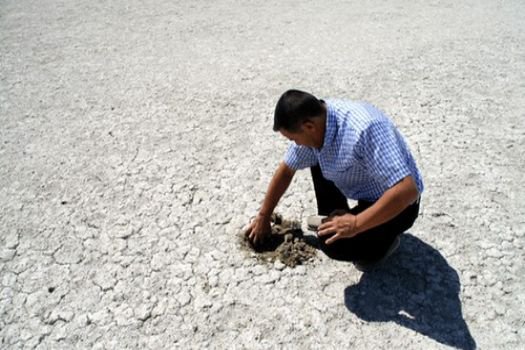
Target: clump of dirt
(286, 243)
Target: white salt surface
(135, 141)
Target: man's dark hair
(294, 108)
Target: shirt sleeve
(385, 153)
(300, 157)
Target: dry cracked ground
(136, 141)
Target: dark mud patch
(287, 243)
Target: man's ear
(309, 125)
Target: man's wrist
(264, 215)
(357, 224)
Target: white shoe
(314, 221)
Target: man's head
(300, 117)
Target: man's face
(302, 137)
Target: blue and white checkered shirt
(363, 153)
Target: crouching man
(354, 151)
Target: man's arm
(280, 181)
(396, 199)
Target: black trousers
(367, 246)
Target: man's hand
(343, 226)
(259, 229)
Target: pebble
(160, 308)
(143, 311)
(184, 298)
(226, 276)
(494, 253)
(60, 332)
(124, 315)
(104, 279)
(300, 270)
(158, 261)
(518, 242)
(202, 302)
(278, 265)
(500, 309)
(9, 279)
(485, 245)
(258, 270)
(269, 277)
(213, 281)
(101, 317)
(489, 314)
(505, 245)
(56, 315)
(7, 254)
(81, 320)
(193, 255)
(71, 252)
(11, 241)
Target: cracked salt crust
(136, 139)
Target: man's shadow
(417, 289)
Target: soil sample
(286, 243)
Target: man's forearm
(280, 181)
(392, 203)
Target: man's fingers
(248, 229)
(254, 237)
(322, 232)
(333, 238)
(324, 225)
(325, 229)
